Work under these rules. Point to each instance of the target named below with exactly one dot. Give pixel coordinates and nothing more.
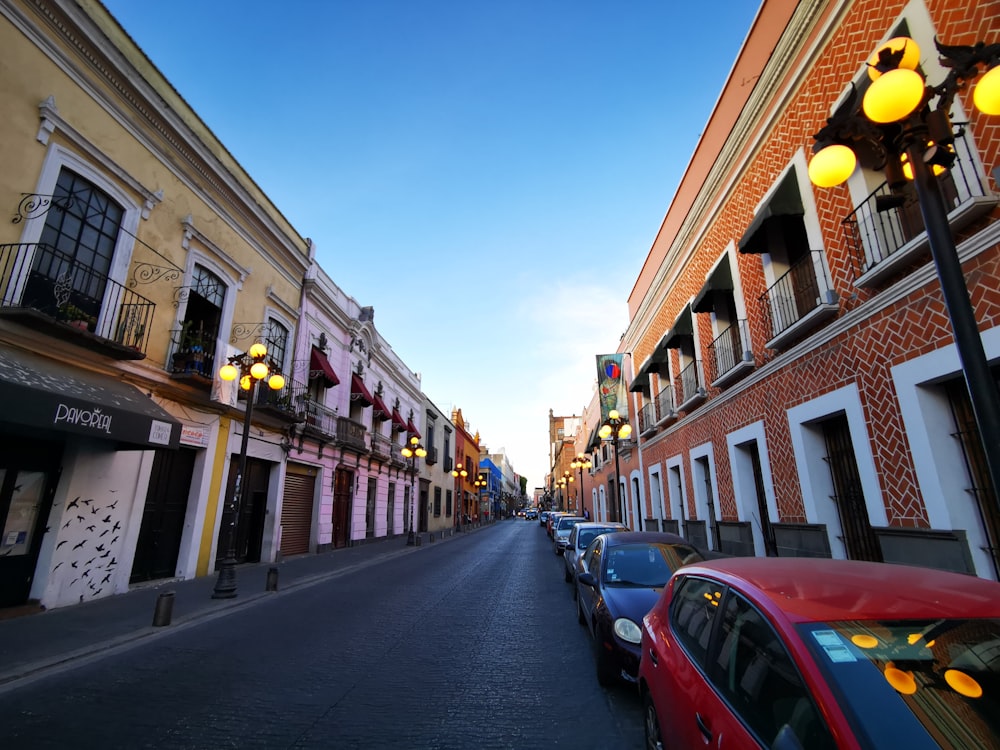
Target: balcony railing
(666, 406)
(318, 419)
(692, 386)
(280, 402)
(796, 302)
(351, 434)
(647, 416)
(730, 355)
(886, 231)
(432, 455)
(382, 447)
(37, 278)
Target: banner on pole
(611, 385)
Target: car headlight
(627, 630)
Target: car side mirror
(587, 579)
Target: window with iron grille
(437, 501)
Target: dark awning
(381, 411)
(40, 392)
(683, 328)
(412, 428)
(319, 367)
(359, 392)
(594, 440)
(719, 281)
(397, 419)
(657, 359)
(785, 207)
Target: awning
(359, 392)
(594, 441)
(40, 392)
(781, 213)
(412, 428)
(682, 329)
(719, 281)
(381, 411)
(319, 367)
(397, 419)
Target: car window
(692, 612)
(758, 678)
(568, 523)
(592, 557)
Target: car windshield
(646, 565)
(568, 523)
(586, 536)
(914, 684)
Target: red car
(806, 653)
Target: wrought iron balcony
(382, 447)
(70, 300)
(796, 303)
(886, 232)
(730, 355)
(192, 354)
(647, 417)
(281, 402)
(432, 455)
(351, 434)
(692, 386)
(318, 419)
(665, 404)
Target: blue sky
(508, 162)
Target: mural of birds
(61, 543)
(77, 546)
(106, 579)
(91, 527)
(117, 526)
(107, 519)
(74, 503)
(99, 548)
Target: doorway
(343, 482)
(163, 515)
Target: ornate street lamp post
(903, 127)
(460, 473)
(580, 463)
(251, 367)
(617, 428)
(413, 450)
(482, 485)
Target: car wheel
(654, 740)
(606, 674)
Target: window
(592, 558)
(437, 502)
(370, 508)
(692, 613)
(277, 343)
(758, 678)
(447, 503)
(196, 340)
(390, 510)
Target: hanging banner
(611, 385)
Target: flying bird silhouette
(61, 543)
(77, 546)
(107, 519)
(74, 503)
(91, 528)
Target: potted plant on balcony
(76, 317)
(190, 354)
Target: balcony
(692, 386)
(647, 417)
(382, 447)
(61, 297)
(279, 403)
(885, 234)
(729, 355)
(319, 420)
(432, 456)
(351, 434)
(796, 303)
(192, 355)
(665, 405)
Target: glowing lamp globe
(258, 370)
(421, 451)
(408, 453)
(605, 432)
(228, 372)
(909, 61)
(832, 166)
(986, 95)
(258, 350)
(625, 431)
(613, 414)
(276, 382)
(893, 96)
(245, 382)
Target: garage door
(297, 509)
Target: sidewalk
(34, 644)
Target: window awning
(594, 440)
(654, 362)
(397, 419)
(719, 281)
(319, 367)
(784, 209)
(381, 411)
(359, 392)
(412, 428)
(682, 329)
(42, 393)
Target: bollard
(272, 580)
(164, 609)
(419, 540)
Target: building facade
(798, 388)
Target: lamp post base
(225, 584)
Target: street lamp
(251, 367)
(581, 462)
(481, 486)
(617, 428)
(413, 450)
(460, 473)
(898, 131)
(568, 479)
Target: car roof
(825, 590)
(598, 525)
(617, 538)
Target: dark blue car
(619, 579)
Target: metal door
(163, 515)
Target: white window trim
(701, 502)
(744, 483)
(674, 503)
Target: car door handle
(703, 727)
(652, 658)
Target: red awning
(411, 428)
(319, 367)
(359, 392)
(398, 420)
(381, 410)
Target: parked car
(819, 653)
(550, 524)
(543, 517)
(531, 514)
(579, 539)
(619, 578)
(561, 530)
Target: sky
(489, 176)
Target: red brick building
(796, 386)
